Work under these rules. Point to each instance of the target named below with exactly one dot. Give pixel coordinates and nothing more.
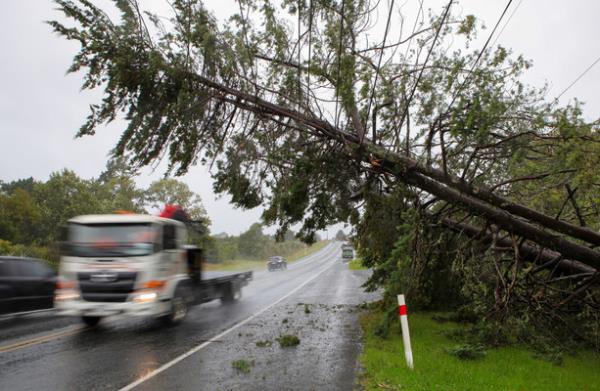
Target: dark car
(26, 284)
(276, 263)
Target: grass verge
(356, 264)
(245, 264)
(506, 368)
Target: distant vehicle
(347, 252)
(26, 284)
(276, 263)
(136, 265)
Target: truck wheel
(231, 293)
(91, 320)
(179, 308)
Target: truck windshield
(115, 240)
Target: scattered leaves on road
(287, 340)
(264, 344)
(242, 365)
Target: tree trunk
(528, 252)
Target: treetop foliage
(32, 212)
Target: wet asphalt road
(316, 299)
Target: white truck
(136, 265)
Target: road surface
(317, 299)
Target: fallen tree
(309, 123)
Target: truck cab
(137, 265)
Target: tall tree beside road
(316, 139)
(252, 242)
(118, 190)
(20, 217)
(171, 191)
(60, 198)
(340, 235)
(26, 184)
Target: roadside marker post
(403, 313)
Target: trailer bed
(220, 285)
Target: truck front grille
(113, 287)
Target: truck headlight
(66, 294)
(145, 296)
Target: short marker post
(402, 312)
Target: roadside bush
(50, 255)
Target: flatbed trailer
(227, 288)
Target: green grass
(507, 368)
(235, 265)
(356, 264)
(305, 252)
(245, 264)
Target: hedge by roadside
(47, 254)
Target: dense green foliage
(504, 300)
(50, 254)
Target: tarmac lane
(198, 354)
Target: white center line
(229, 330)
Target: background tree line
(32, 212)
(252, 244)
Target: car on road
(276, 263)
(26, 284)
(347, 252)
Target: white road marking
(229, 330)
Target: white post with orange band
(405, 335)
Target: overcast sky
(41, 108)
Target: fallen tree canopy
(294, 109)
